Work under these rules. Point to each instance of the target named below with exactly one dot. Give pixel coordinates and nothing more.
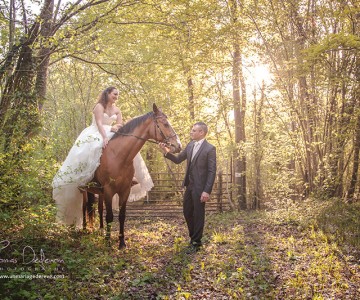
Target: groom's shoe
(195, 246)
(191, 249)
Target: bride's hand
(105, 142)
(116, 127)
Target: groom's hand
(164, 148)
(204, 197)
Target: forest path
(279, 254)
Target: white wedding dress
(79, 168)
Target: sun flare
(258, 74)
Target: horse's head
(163, 132)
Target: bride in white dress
(84, 157)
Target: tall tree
(27, 63)
(239, 98)
(354, 178)
(313, 56)
(257, 201)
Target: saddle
(95, 187)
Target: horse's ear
(155, 108)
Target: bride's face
(113, 96)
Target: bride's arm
(99, 113)
(119, 121)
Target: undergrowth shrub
(341, 220)
(26, 175)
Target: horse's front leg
(109, 216)
(122, 215)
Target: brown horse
(116, 170)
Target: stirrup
(92, 187)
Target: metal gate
(165, 199)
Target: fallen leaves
(252, 255)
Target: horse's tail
(90, 208)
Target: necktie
(195, 149)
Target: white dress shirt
(197, 145)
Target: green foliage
(151, 52)
(20, 123)
(71, 100)
(341, 220)
(26, 176)
(333, 42)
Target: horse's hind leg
(122, 215)
(101, 210)
(85, 201)
(90, 208)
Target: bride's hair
(103, 98)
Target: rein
(139, 138)
(165, 139)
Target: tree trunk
(190, 88)
(23, 119)
(356, 96)
(258, 151)
(355, 169)
(239, 113)
(27, 72)
(44, 53)
(12, 23)
(18, 94)
(243, 163)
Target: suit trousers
(194, 213)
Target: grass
(308, 251)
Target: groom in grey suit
(199, 179)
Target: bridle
(166, 140)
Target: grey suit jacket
(201, 171)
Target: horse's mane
(132, 124)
